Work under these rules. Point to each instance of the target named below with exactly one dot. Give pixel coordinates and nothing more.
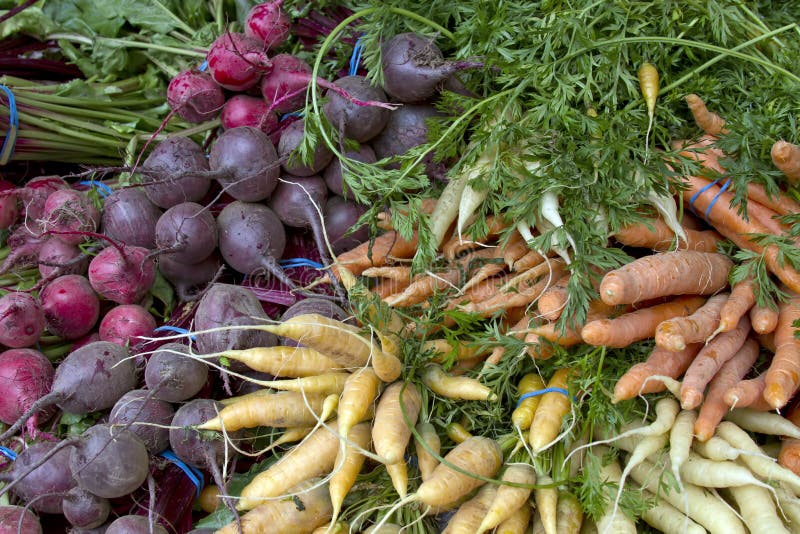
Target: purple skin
(57, 258)
(405, 130)
(9, 205)
(246, 163)
(267, 23)
(85, 510)
(285, 87)
(174, 377)
(333, 172)
(126, 324)
(25, 248)
(43, 488)
(71, 212)
(194, 96)
(21, 320)
(129, 217)
(237, 62)
(298, 202)
(33, 196)
(134, 524)
(245, 110)
(291, 138)
(340, 217)
(71, 307)
(148, 418)
(187, 233)
(360, 123)
(122, 276)
(26, 375)
(186, 278)
(16, 519)
(169, 179)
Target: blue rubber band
(355, 58)
(203, 66)
(8, 453)
(300, 262)
(176, 329)
(102, 188)
(542, 392)
(194, 474)
(10, 140)
(702, 190)
(721, 190)
(291, 114)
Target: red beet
(236, 61)
(9, 205)
(194, 96)
(123, 275)
(126, 323)
(268, 23)
(26, 376)
(59, 258)
(69, 213)
(285, 86)
(70, 306)
(21, 320)
(16, 520)
(244, 110)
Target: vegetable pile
(415, 266)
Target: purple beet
(18, 520)
(360, 123)
(130, 217)
(170, 178)
(189, 279)
(340, 218)
(194, 96)
(148, 417)
(26, 375)
(44, 487)
(245, 163)
(333, 172)
(187, 233)
(291, 138)
(406, 128)
(84, 509)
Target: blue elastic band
(355, 58)
(10, 141)
(542, 392)
(203, 66)
(702, 190)
(102, 188)
(176, 329)
(291, 114)
(721, 190)
(300, 262)
(8, 453)
(193, 473)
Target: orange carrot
(538, 347)
(458, 244)
(529, 260)
(387, 287)
(656, 235)
(518, 292)
(741, 299)
(553, 300)
(714, 406)
(706, 120)
(764, 319)
(783, 375)
(682, 272)
(518, 331)
(789, 455)
(786, 157)
(674, 334)
(637, 325)
(780, 204)
(709, 361)
(423, 287)
(514, 249)
(748, 394)
(443, 347)
(377, 252)
(660, 362)
(572, 336)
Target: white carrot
(680, 445)
(758, 510)
(610, 522)
(712, 474)
(547, 503)
(668, 519)
(716, 448)
(646, 447)
(763, 422)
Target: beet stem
(68, 442)
(42, 402)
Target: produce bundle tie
(355, 58)
(10, 140)
(194, 474)
(290, 114)
(541, 392)
(203, 66)
(8, 453)
(102, 188)
(300, 262)
(176, 329)
(713, 201)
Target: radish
(44, 487)
(70, 305)
(194, 96)
(291, 138)
(333, 172)
(146, 416)
(57, 258)
(21, 320)
(130, 217)
(245, 163)
(236, 62)
(187, 233)
(9, 205)
(170, 173)
(244, 110)
(84, 509)
(126, 324)
(172, 376)
(268, 23)
(122, 274)
(68, 214)
(184, 279)
(360, 123)
(26, 376)
(284, 88)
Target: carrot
(714, 406)
(665, 517)
(552, 408)
(360, 391)
(546, 499)
(469, 514)
(661, 362)
(708, 121)
(712, 474)
(530, 260)
(709, 361)
(522, 416)
(509, 499)
(518, 331)
(609, 522)
(781, 203)
(457, 432)
(674, 334)
(284, 409)
(486, 271)
(640, 324)
(424, 287)
(748, 394)
(789, 455)
(680, 442)
(786, 157)
(209, 498)
(314, 456)
(764, 319)
(716, 448)
(348, 466)
(539, 348)
(763, 423)
(648, 84)
(572, 335)
(323, 384)
(378, 252)
(514, 249)
(783, 375)
(569, 514)
(741, 299)
(388, 287)
(457, 244)
(294, 362)
(517, 523)
(398, 273)
(455, 387)
(391, 433)
(426, 460)
(552, 301)
(641, 450)
(339, 527)
(656, 235)
(758, 509)
(443, 349)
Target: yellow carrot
(547, 502)
(569, 514)
(359, 392)
(457, 432)
(552, 408)
(291, 362)
(509, 499)
(284, 409)
(517, 523)
(347, 468)
(469, 514)
(522, 416)
(426, 460)
(391, 433)
(455, 387)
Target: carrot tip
(691, 399)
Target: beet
(236, 61)
(148, 416)
(223, 305)
(291, 138)
(26, 375)
(333, 172)
(84, 509)
(34, 195)
(246, 163)
(21, 320)
(126, 324)
(44, 487)
(360, 123)
(194, 96)
(130, 218)
(25, 248)
(71, 307)
(185, 278)
(18, 520)
(187, 233)
(340, 218)
(70, 212)
(170, 177)
(123, 275)
(284, 88)
(134, 524)
(173, 377)
(298, 202)
(9, 205)
(267, 23)
(405, 129)
(57, 258)
(109, 461)
(245, 110)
